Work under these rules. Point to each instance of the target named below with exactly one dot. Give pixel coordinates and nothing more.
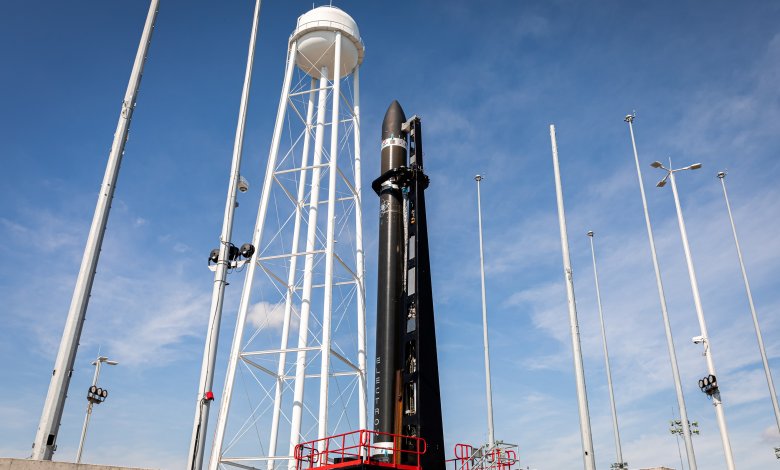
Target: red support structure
(356, 448)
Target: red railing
(462, 458)
(348, 449)
(467, 458)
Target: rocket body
(390, 278)
(407, 401)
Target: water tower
(297, 365)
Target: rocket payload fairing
(406, 399)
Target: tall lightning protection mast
(494, 454)
(589, 460)
(224, 258)
(759, 337)
(46, 437)
(297, 365)
(686, 431)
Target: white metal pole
(289, 295)
(589, 458)
(327, 310)
(308, 267)
(664, 313)
(84, 432)
(202, 403)
(716, 401)
(360, 268)
(488, 386)
(759, 338)
(618, 448)
(46, 436)
(243, 308)
(89, 413)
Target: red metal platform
(356, 448)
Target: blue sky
(487, 78)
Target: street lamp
(710, 387)
(664, 313)
(767, 372)
(620, 464)
(676, 428)
(95, 395)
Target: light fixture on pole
(95, 396)
(488, 387)
(709, 383)
(620, 464)
(676, 429)
(664, 312)
(759, 338)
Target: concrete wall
(24, 464)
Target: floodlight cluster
(246, 251)
(709, 385)
(96, 394)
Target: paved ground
(24, 464)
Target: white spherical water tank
(316, 36)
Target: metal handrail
(340, 450)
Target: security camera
(243, 184)
(698, 339)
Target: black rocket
(406, 399)
(390, 273)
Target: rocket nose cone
(394, 118)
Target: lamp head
(247, 250)
(721, 174)
(661, 183)
(590, 233)
(105, 360)
(695, 166)
(657, 164)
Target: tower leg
(327, 310)
(360, 258)
(288, 300)
(311, 239)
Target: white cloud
(267, 315)
(770, 435)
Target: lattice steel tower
(307, 273)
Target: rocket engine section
(406, 400)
